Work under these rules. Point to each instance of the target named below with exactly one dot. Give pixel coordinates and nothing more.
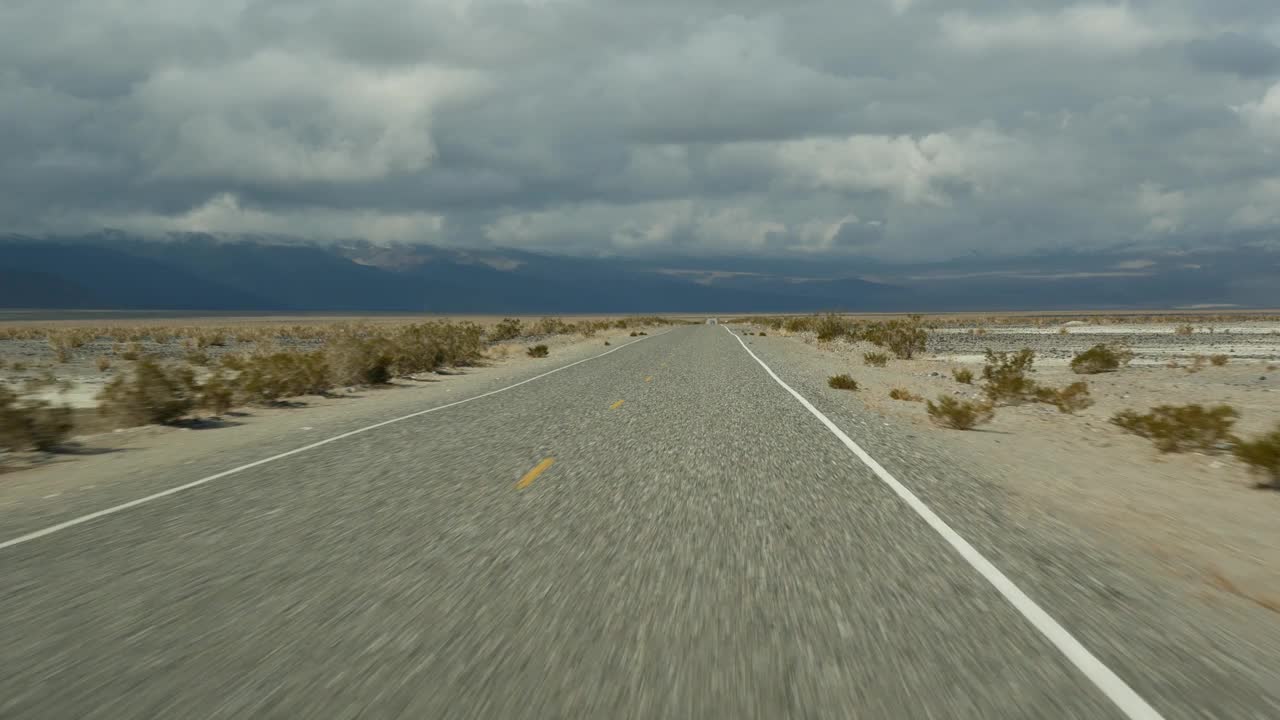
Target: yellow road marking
(648, 378)
(534, 473)
(616, 405)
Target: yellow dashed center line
(534, 473)
(616, 405)
(648, 378)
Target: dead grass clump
(1180, 428)
(963, 376)
(842, 382)
(1184, 330)
(1101, 358)
(875, 359)
(1262, 455)
(1219, 360)
(541, 351)
(150, 393)
(104, 363)
(951, 412)
(904, 395)
(32, 424)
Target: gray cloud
(1241, 53)
(899, 128)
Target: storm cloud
(897, 129)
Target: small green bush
(904, 394)
(1179, 428)
(540, 351)
(1262, 455)
(842, 382)
(951, 412)
(875, 359)
(1101, 358)
(963, 375)
(1219, 360)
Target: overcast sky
(902, 129)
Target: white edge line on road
(218, 476)
(1124, 697)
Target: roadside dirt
(1200, 516)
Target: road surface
(663, 531)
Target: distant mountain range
(111, 270)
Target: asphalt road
(700, 545)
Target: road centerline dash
(533, 474)
(616, 405)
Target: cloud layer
(890, 128)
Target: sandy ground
(1199, 515)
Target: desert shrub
(1006, 376)
(832, 326)
(1179, 428)
(356, 360)
(508, 328)
(963, 375)
(959, 414)
(798, 324)
(903, 338)
(1101, 358)
(268, 377)
(1073, 398)
(104, 363)
(1262, 455)
(761, 333)
(132, 351)
(217, 394)
(540, 351)
(18, 366)
(1184, 330)
(149, 393)
(606, 342)
(875, 359)
(1219, 360)
(551, 326)
(642, 333)
(30, 423)
(196, 356)
(634, 333)
(842, 382)
(461, 344)
(904, 394)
